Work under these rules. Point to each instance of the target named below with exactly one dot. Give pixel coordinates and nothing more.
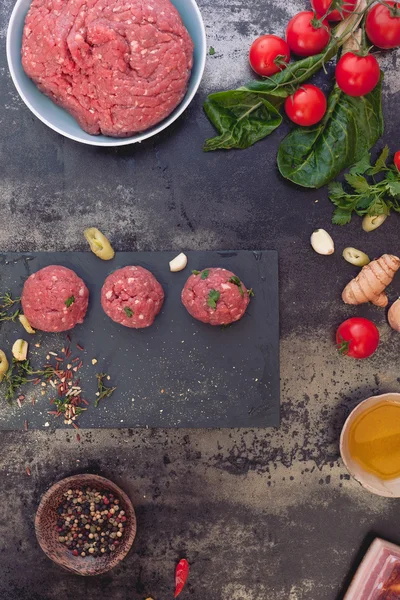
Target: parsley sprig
(213, 297)
(367, 196)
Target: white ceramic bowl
(59, 119)
(388, 488)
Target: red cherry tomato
(357, 337)
(343, 10)
(268, 55)
(357, 75)
(397, 160)
(305, 35)
(306, 106)
(383, 25)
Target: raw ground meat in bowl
(54, 299)
(215, 296)
(118, 66)
(132, 296)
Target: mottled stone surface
(260, 514)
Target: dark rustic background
(260, 514)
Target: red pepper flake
(78, 437)
(52, 412)
(181, 575)
(79, 365)
(26, 425)
(80, 347)
(36, 381)
(68, 337)
(85, 401)
(74, 360)
(33, 401)
(28, 471)
(68, 353)
(75, 425)
(58, 359)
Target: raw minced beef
(54, 299)
(132, 297)
(118, 66)
(215, 296)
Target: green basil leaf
(312, 156)
(248, 114)
(242, 118)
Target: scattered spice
(211, 51)
(213, 297)
(103, 391)
(94, 361)
(251, 293)
(81, 348)
(26, 425)
(90, 522)
(28, 471)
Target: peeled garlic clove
(3, 365)
(25, 324)
(179, 263)
(370, 223)
(356, 257)
(99, 244)
(322, 242)
(20, 350)
(394, 315)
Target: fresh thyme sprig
(103, 391)
(20, 373)
(7, 302)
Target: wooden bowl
(47, 534)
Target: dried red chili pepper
(181, 575)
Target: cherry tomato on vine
(341, 8)
(268, 55)
(306, 35)
(357, 75)
(306, 106)
(397, 160)
(383, 25)
(357, 337)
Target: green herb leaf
(241, 117)
(251, 293)
(205, 274)
(69, 301)
(380, 164)
(196, 272)
(128, 312)
(237, 282)
(357, 182)
(213, 297)
(341, 216)
(393, 187)
(362, 165)
(313, 156)
(211, 51)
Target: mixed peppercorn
(91, 522)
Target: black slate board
(177, 373)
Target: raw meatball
(132, 297)
(54, 299)
(215, 296)
(118, 67)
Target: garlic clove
(3, 365)
(25, 324)
(356, 257)
(322, 242)
(394, 315)
(99, 244)
(178, 263)
(370, 223)
(20, 350)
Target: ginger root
(370, 284)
